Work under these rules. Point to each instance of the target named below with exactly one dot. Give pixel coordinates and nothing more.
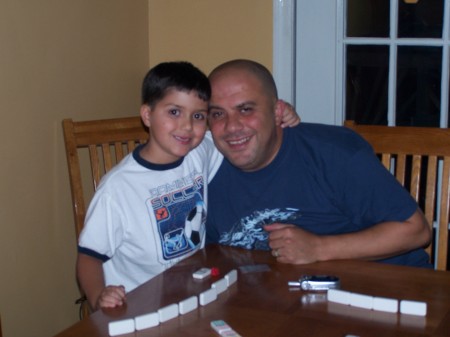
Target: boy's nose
(186, 124)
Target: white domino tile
(188, 305)
(168, 312)
(413, 308)
(121, 327)
(220, 285)
(231, 277)
(207, 296)
(146, 321)
(361, 301)
(338, 296)
(385, 304)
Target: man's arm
(386, 239)
(92, 281)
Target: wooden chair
(102, 144)
(413, 155)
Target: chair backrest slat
(416, 169)
(416, 153)
(400, 168)
(444, 216)
(118, 148)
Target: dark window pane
(368, 18)
(418, 86)
(422, 19)
(367, 84)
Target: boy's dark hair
(181, 76)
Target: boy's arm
(92, 281)
(289, 116)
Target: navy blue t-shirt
(325, 179)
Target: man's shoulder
(328, 136)
(323, 130)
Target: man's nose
(234, 123)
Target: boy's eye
(174, 112)
(199, 116)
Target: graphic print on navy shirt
(249, 232)
(180, 217)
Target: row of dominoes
(173, 310)
(377, 303)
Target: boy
(149, 211)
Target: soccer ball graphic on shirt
(194, 225)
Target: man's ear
(145, 114)
(279, 110)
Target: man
(309, 193)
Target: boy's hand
(111, 296)
(290, 117)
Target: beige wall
(209, 32)
(84, 59)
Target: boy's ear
(279, 110)
(145, 114)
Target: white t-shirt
(144, 218)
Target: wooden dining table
(261, 304)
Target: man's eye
(215, 114)
(246, 109)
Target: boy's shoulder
(119, 172)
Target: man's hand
(291, 244)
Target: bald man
(309, 193)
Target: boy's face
(177, 124)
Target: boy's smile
(177, 124)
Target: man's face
(242, 120)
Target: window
(375, 61)
(395, 62)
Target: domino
(201, 273)
(220, 326)
(413, 308)
(146, 321)
(168, 312)
(188, 305)
(220, 285)
(338, 296)
(230, 333)
(231, 277)
(361, 301)
(385, 304)
(223, 329)
(207, 296)
(121, 327)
